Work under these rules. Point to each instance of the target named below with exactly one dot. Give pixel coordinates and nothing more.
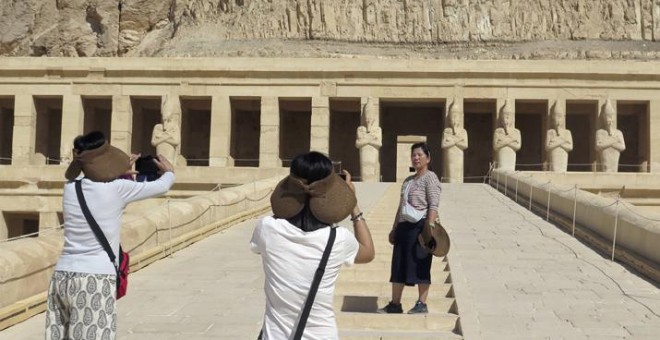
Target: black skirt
(411, 264)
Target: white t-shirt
(290, 258)
(82, 251)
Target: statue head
(608, 115)
(370, 112)
(558, 115)
(171, 122)
(455, 115)
(507, 115)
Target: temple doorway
(98, 115)
(245, 130)
(532, 121)
(581, 119)
(633, 121)
(6, 129)
(295, 126)
(48, 128)
(146, 114)
(344, 121)
(196, 130)
(405, 118)
(479, 121)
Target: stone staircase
(362, 289)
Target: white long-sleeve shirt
(82, 252)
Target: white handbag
(408, 212)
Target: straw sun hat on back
(330, 199)
(102, 164)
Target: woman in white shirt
(82, 290)
(306, 206)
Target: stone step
(370, 304)
(383, 275)
(400, 322)
(385, 289)
(397, 335)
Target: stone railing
(609, 224)
(27, 264)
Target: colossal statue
(507, 139)
(609, 140)
(166, 137)
(559, 140)
(454, 142)
(369, 140)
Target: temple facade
(257, 114)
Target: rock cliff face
(143, 27)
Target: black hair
(90, 141)
(311, 166)
(423, 146)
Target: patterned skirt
(81, 306)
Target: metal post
(616, 222)
(574, 207)
(517, 187)
(547, 211)
(506, 183)
(169, 219)
(531, 192)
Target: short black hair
(312, 166)
(423, 146)
(90, 141)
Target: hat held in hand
(440, 244)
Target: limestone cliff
(146, 27)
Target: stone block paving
(514, 276)
(517, 276)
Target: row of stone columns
(507, 139)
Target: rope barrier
(46, 231)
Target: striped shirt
(424, 193)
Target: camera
(146, 168)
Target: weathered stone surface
(143, 27)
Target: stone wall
(131, 27)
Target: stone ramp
(362, 289)
(515, 274)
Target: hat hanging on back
(102, 164)
(330, 199)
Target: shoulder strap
(92, 223)
(315, 285)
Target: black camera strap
(92, 223)
(315, 285)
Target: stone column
(25, 125)
(219, 150)
(269, 140)
(369, 140)
(73, 115)
(506, 139)
(122, 123)
(654, 129)
(320, 126)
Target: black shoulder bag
(122, 269)
(314, 288)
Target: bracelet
(358, 217)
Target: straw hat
(102, 164)
(440, 238)
(330, 199)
